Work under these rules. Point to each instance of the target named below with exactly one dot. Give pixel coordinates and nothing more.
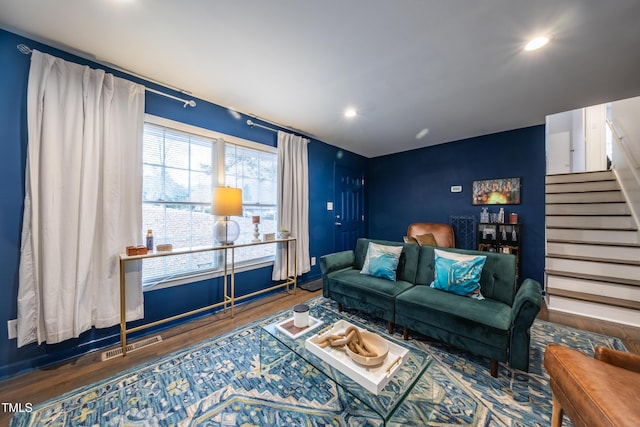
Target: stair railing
(625, 166)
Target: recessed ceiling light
(536, 43)
(350, 112)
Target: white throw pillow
(381, 261)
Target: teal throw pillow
(381, 261)
(458, 273)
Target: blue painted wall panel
(415, 186)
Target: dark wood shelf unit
(501, 238)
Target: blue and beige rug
(219, 382)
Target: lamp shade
(227, 201)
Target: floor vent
(116, 352)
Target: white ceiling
(455, 67)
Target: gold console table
(229, 298)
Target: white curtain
(83, 192)
(293, 203)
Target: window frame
(221, 140)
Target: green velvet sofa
(497, 327)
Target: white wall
(565, 142)
(558, 153)
(585, 149)
(625, 116)
(578, 163)
(595, 138)
(558, 142)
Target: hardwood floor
(629, 335)
(46, 383)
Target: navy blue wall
(415, 186)
(160, 303)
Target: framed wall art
(503, 191)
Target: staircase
(592, 263)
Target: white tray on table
(373, 378)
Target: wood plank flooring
(629, 335)
(43, 384)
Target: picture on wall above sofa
(503, 191)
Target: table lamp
(226, 202)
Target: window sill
(185, 280)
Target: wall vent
(116, 352)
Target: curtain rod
(252, 124)
(187, 102)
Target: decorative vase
(256, 233)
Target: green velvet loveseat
(497, 327)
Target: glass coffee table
(388, 399)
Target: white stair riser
(580, 177)
(619, 222)
(613, 290)
(614, 271)
(588, 209)
(626, 253)
(592, 197)
(582, 186)
(602, 236)
(585, 205)
(594, 310)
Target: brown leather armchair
(599, 391)
(443, 233)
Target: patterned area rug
(219, 383)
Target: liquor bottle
(149, 240)
(484, 215)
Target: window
(178, 176)
(181, 166)
(255, 172)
